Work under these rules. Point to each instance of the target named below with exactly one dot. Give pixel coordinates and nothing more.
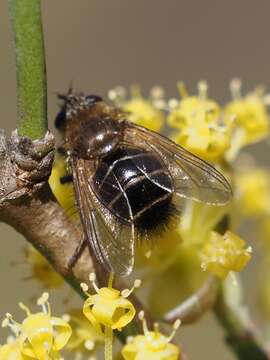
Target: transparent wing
(111, 241)
(193, 177)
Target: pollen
(222, 254)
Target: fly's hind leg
(76, 255)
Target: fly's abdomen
(135, 186)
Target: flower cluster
(224, 253)
(145, 112)
(108, 307)
(201, 125)
(201, 243)
(40, 336)
(85, 340)
(217, 133)
(41, 270)
(152, 345)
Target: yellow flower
(42, 270)
(251, 120)
(108, 307)
(85, 338)
(64, 193)
(11, 351)
(253, 190)
(224, 253)
(108, 310)
(40, 335)
(200, 125)
(144, 112)
(153, 345)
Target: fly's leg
(75, 257)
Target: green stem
(31, 70)
(241, 334)
(108, 340)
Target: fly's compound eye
(92, 99)
(60, 120)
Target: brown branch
(195, 306)
(28, 205)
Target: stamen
(117, 94)
(5, 323)
(156, 327)
(66, 317)
(202, 87)
(43, 302)
(182, 89)
(110, 282)
(92, 278)
(266, 99)
(173, 104)
(126, 292)
(176, 325)
(25, 308)
(84, 287)
(135, 91)
(12, 324)
(9, 316)
(10, 339)
(157, 92)
(235, 88)
(112, 95)
(160, 104)
(142, 318)
(130, 339)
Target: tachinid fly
(129, 181)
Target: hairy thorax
(91, 136)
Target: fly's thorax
(93, 137)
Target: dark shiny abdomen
(135, 186)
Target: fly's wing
(193, 177)
(111, 241)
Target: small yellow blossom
(251, 120)
(108, 310)
(11, 351)
(40, 336)
(224, 253)
(144, 112)
(42, 270)
(85, 339)
(108, 307)
(64, 193)
(153, 345)
(200, 125)
(253, 191)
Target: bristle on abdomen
(157, 219)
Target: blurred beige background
(99, 44)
